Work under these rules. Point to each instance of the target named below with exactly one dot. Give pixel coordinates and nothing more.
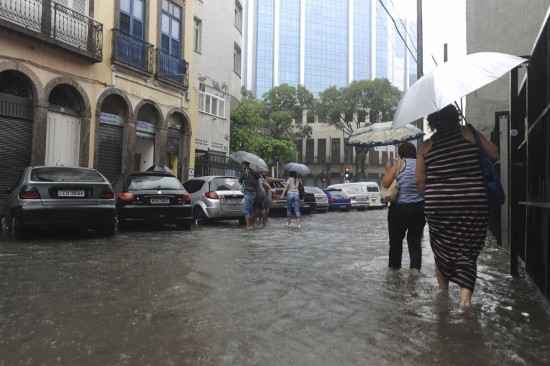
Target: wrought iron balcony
(55, 24)
(132, 52)
(172, 69)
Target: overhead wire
(412, 39)
(413, 54)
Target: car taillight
(184, 200)
(212, 195)
(29, 194)
(127, 197)
(108, 195)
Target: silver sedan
(216, 198)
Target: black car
(155, 198)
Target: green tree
(341, 107)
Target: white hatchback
(373, 191)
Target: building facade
(513, 111)
(94, 84)
(216, 79)
(322, 43)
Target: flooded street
(220, 295)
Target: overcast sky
(444, 22)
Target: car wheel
(17, 228)
(198, 216)
(109, 227)
(4, 227)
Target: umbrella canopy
(382, 134)
(451, 81)
(256, 163)
(300, 169)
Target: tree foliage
(267, 127)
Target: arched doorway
(66, 107)
(177, 145)
(16, 115)
(147, 123)
(113, 116)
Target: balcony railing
(172, 69)
(132, 52)
(55, 24)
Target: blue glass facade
(326, 48)
(289, 42)
(264, 48)
(362, 40)
(382, 42)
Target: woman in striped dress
(456, 207)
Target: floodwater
(220, 295)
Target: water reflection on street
(220, 295)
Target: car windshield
(313, 190)
(372, 189)
(59, 174)
(225, 184)
(145, 182)
(353, 189)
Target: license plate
(160, 201)
(71, 194)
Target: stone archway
(68, 113)
(17, 113)
(178, 142)
(114, 115)
(148, 147)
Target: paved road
(220, 295)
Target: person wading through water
(250, 182)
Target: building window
(310, 117)
(322, 151)
(131, 16)
(310, 150)
(197, 35)
(210, 103)
(170, 29)
(238, 16)
(299, 150)
(237, 59)
(335, 150)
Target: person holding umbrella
(250, 182)
(292, 192)
(448, 170)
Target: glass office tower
(323, 43)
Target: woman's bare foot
(465, 297)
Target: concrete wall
(214, 68)
(509, 26)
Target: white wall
(215, 66)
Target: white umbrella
(382, 134)
(451, 81)
(299, 168)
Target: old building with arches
(95, 86)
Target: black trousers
(406, 219)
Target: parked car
(375, 196)
(359, 197)
(279, 205)
(216, 198)
(338, 200)
(62, 198)
(316, 198)
(155, 197)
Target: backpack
(495, 192)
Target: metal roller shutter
(15, 151)
(109, 151)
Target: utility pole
(419, 40)
(445, 52)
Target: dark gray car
(60, 197)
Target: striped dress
(456, 206)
